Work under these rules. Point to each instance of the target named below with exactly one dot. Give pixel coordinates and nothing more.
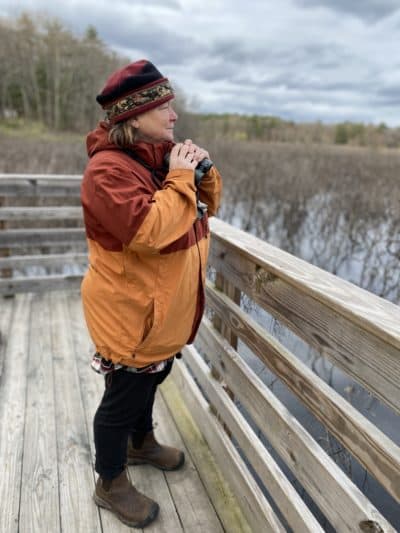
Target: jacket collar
(152, 153)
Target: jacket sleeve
(136, 215)
(210, 190)
(172, 213)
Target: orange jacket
(143, 294)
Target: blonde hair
(123, 134)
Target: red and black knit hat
(134, 89)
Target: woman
(143, 295)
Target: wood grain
(17, 238)
(53, 282)
(370, 355)
(39, 483)
(193, 505)
(76, 484)
(281, 490)
(6, 315)
(52, 178)
(375, 451)
(223, 499)
(40, 213)
(337, 497)
(48, 260)
(254, 505)
(12, 414)
(358, 306)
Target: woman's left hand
(198, 153)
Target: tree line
(50, 75)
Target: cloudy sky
(304, 60)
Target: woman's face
(157, 124)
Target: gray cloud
(369, 10)
(288, 58)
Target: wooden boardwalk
(48, 393)
(48, 396)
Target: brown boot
(131, 506)
(153, 453)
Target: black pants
(126, 408)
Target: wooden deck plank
(152, 483)
(92, 390)
(6, 311)
(12, 414)
(78, 514)
(192, 502)
(51, 402)
(218, 490)
(39, 486)
(258, 512)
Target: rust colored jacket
(143, 294)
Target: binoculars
(202, 168)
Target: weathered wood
(222, 284)
(54, 282)
(4, 252)
(50, 260)
(56, 178)
(369, 355)
(24, 189)
(91, 389)
(230, 290)
(38, 185)
(358, 306)
(375, 451)
(6, 315)
(337, 497)
(12, 415)
(77, 511)
(40, 213)
(281, 490)
(195, 511)
(255, 507)
(222, 497)
(17, 238)
(39, 483)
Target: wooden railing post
(4, 252)
(225, 286)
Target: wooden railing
(355, 330)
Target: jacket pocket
(151, 327)
(148, 324)
(136, 323)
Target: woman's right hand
(182, 157)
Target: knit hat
(134, 89)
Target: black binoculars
(201, 169)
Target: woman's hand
(198, 153)
(182, 157)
